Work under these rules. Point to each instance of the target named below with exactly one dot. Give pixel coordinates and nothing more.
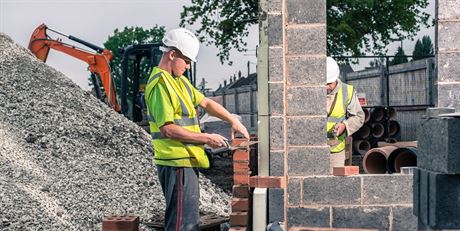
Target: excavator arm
(99, 62)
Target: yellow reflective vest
(173, 100)
(338, 115)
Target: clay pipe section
(378, 114)
(367, 115)
(402, 157)
(378, 130)
(394, 128)
(362, 146)
(375, 160)
(364, 132)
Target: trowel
(229, 147)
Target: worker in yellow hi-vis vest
(344, 113)
(176, 136)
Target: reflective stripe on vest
(338, 115)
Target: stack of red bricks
(239, 218)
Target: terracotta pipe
(402, 157)
(378, 114)
(394, 128)
(367, 115)
(362, 146)
(392, 113)
(364, 132)
(378, 130)
(375, 160)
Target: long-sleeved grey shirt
(355, 114)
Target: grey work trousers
(181, 190)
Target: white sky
(95, 20)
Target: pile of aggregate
(67, 160)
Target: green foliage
(423, 48)
(126, 37)
(223, 23)
(400, 57)
(354, 26)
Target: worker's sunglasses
(180, 55)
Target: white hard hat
(333, 70)
(183, 40)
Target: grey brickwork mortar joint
(390, 219)
(330, 216)
(362, 190)
(305, 26)
(283, 64)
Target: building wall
(297, 118)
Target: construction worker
(176, 136)
(344, 113)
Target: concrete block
(308, 161)
(308, 217)
(267, 182)
(276, 98)
(297, 100)
(374, 217)
(275, 64)
(439, 149)
(276, 163)
(449, 95)
(275, 6)
(306, 40)
(345, 171)
(403, 219)
(439, 199)
(275, 205)
(387, 189)
(332, 190)
(293, 191)
(436, 111)
(306, 131)
(305, 12)
(448, 9)
(448, 70)
(276, 133)
(306, 70)
(275, 30)
(448, 35)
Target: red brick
(237, 141)
(240, 191)
(238, 229)
(120, 223)
(267, 182)
(242, 179)
(241, 155)
(345, 171)
(239, 219)
(240, 204)
(242, 164)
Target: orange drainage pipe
(375, 160)
(402, 157)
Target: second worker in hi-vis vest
(176, 136)
(344, 113)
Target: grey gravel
(66, 159)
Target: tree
(354, 26)
(400, 57)
(423, 48)
(126, 37)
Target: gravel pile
(66, 159)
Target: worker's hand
(216, 140)
(339, 129)
(238, 127)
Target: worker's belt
(335, 120)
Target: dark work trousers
(181, 190)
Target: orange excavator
(98, 61)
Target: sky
(95, 20)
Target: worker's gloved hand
(339, 129)
(216, 140)
(238, 127)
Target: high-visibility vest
(338, 115)
(171, 152)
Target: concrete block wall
(296, 33)
(448, 54)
